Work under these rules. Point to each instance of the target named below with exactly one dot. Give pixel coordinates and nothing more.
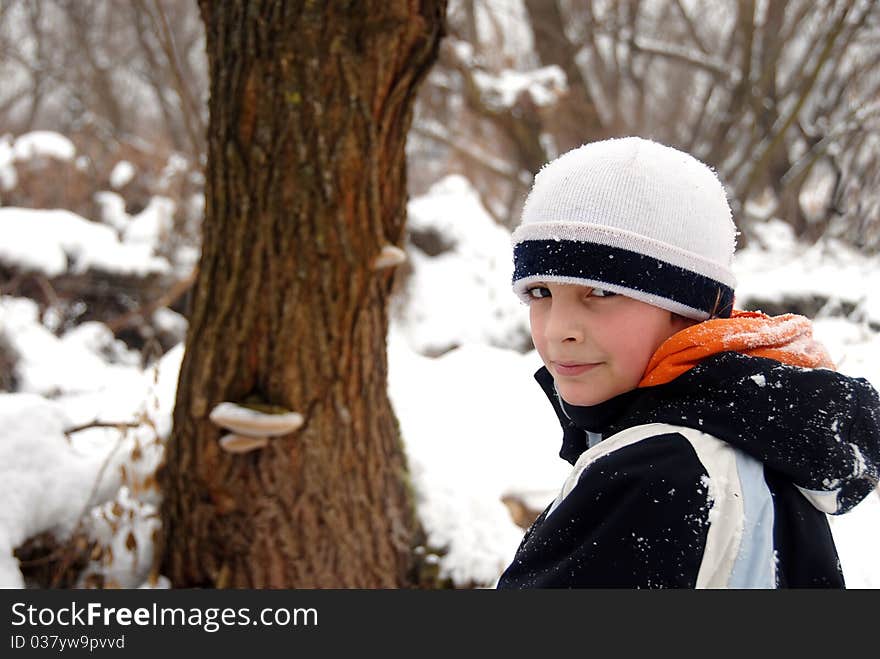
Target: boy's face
(572, 324)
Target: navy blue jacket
(719, 478)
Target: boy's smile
(572, 369)
(596, 344)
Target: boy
(707, 443)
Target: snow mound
(784, 268)
(153, 225)
(463, 294)
(57, 241)
(45, 144)
(46, 484)
(466, 452)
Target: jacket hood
(818, 428)
(787, 338)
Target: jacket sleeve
(638, 517)
(864, 442)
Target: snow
(463, 464)
(817, 193)
(786, 268)
(56, 241)
(462, 295)
(152, 225)
(125, 525)
(45, 144)
(170, 322)
(46, 483)
(464, 51)
(52, 482)
(122, 174)
(177, 164)
(76, 362)
(8, 177)
(501, 90)
(113, 210)
(852, 346)
(857, 536)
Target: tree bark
(305, 183)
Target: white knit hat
(634, 217)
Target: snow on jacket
(716, 472)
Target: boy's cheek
(537, 338)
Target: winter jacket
(718, 475)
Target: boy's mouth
(572, 368)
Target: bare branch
(101, 424)
(854, 122)
(152, 70)
(717, 67)
(784, 123)
(691, 27)
(189, 109)
(496, 167)
(100, 78)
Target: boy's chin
(574, 395)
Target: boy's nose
(562, 325)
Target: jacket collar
(576, 420)
(819, 428)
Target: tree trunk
(305, 184)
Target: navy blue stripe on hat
(614, 265)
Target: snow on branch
(545, 86)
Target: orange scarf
(787, 338)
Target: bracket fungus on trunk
(232, 443)
(390, 255)
(251, 424)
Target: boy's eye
(538, 292)
(601, 292)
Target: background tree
(306, 186)
(780, 97)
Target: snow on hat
(634, 217)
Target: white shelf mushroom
(242, 444)
(255, 420)
(388, 257)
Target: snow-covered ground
(477, 428)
